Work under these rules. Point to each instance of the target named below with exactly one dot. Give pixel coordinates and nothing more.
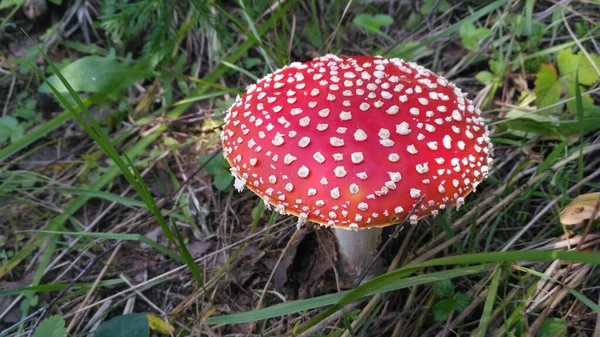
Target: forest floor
(128, 215)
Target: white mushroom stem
(356, 252)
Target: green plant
(25, 116)
(472, 36)
(219, 168)
(551, 84)
(10, 129)
(373, 23)
(449, 301)
(53, 326)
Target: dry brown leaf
(580, 209)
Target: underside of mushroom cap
(355, 142)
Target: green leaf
(472, 36)
(461, 301)
(95, 74)
(408, 49)
(429, 5)
(10, 128)
(319, 301)
(484, 77)
(313, 33)
(442, 309)
(587, 103)
(223, 180)
(372, 23)
(385, 280)
(547, 87)
(132, 325)
(414, 20)
(53, 326)
(11, 3)
(443, 288)
(570, 64)
(523, 124)
(553, 327)
(217, 165)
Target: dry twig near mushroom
(354, 143)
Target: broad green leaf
(7, 125)
(53, 326)
(442, 309)
(461, 301)
(372, 23)
(587, 101)
(223, 180)
(547, 87)
(10, 128)
(484, 77)
(523, 124)
(439, 5)
(443, 288)
(553, 327)
(10, 3)
(570, 64)
(414, 20)
(132, 325)
(216, 165)
(95, 74)
(471, 36)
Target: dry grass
(250, 258)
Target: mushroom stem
(356, 250)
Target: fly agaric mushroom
(354, 143)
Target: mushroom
(354, 143)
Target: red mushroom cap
(354, 142)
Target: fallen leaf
(157, 324)
(580, 209)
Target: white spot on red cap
(360, 135)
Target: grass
(106, 209)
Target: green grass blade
(584, 299)
(454, 28)
(119, 236)
(241, 70)
(495, 257)
(58, 222)
(320, 301)
(486, 316)
(580, 119)
(112, 172)
(102, 195)
(52, 287)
